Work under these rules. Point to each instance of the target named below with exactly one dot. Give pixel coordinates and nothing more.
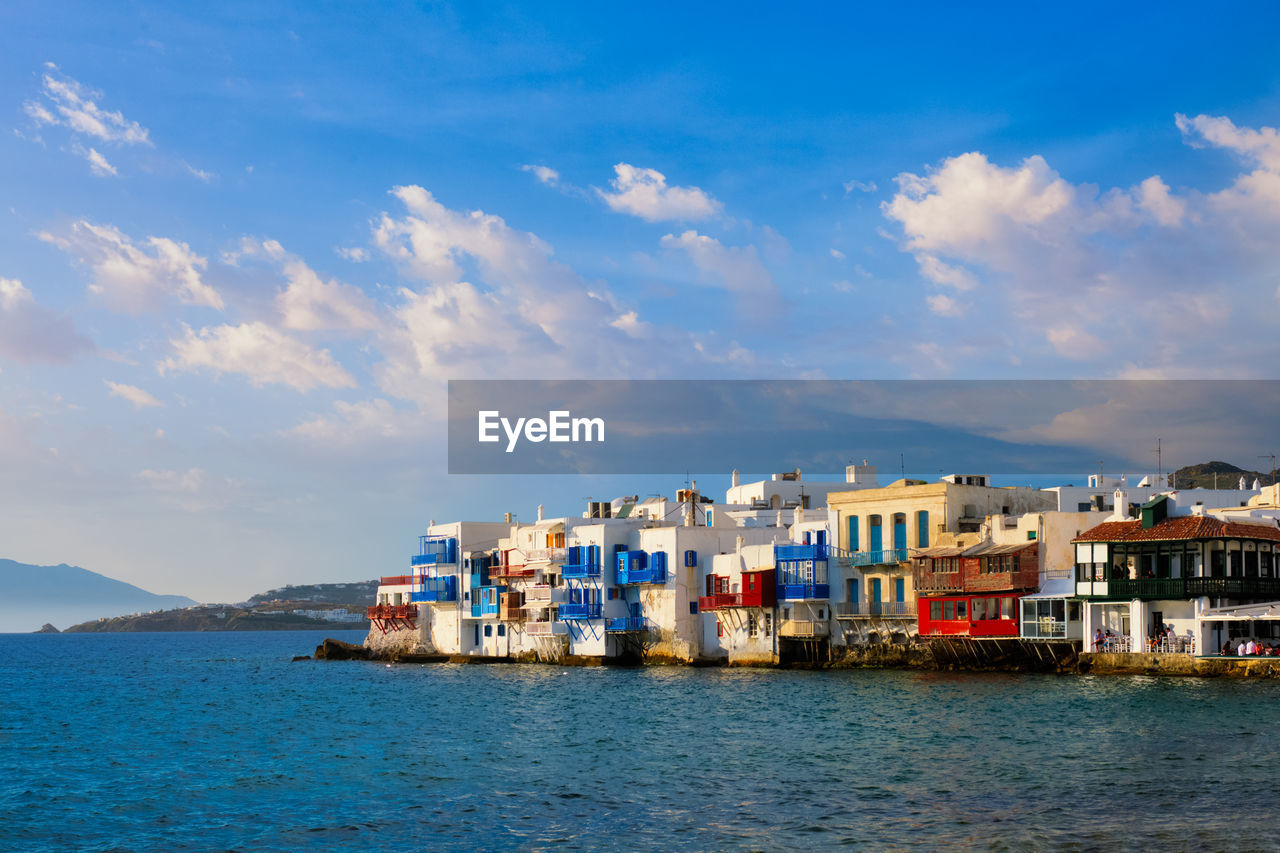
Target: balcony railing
(580, 571)
(393, 611)
(627, 624)
(399, 580)
(545, 555)
(435, 550)
(1148, 588)
(1267, 588)
(546, 629)
(804, 628)
(926, 581)
(720, 600)
(436, 590)
(884, 557)
(874, 609)
(578, 610)
(511, 570)
(799, 552)
(802, 591)
(648, 574)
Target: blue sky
(241, 248)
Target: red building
(974, 592)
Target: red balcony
(399, 580)
(720, 600)
(393, 617)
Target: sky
(243, 247)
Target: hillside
(1228, 476)
(31, 596)
(291, 608)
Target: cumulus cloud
(65, 102)
(258, 352)
(544, 174)
(135, 276)
(97, 163)
(945, 306)
(31, 333)
(859, 186)
(490, 300)
(309, 302)
(356, 254)
(1141, 275)
(644, 193)
(735, 268)
(139, 398)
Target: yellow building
(876, 530)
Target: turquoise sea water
(217, 741)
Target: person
(1226, 649)
(1251, 648)
(1098, 640)
(1241, 650)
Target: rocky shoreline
(928, 656)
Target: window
(719, 628)
(1031, 535)
(979, 609)
(488, 630)
(935, 610)
(693, 608)
(768, 623)
(962, 609)
(949, 611)
(502, 630)
(751, 624)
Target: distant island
(31, 596)
(290, 608)
(1217, 475)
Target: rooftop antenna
(1159, 465)
(902, 464)
(1272, 472)
(1100, 481)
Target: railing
(803, 628)
(399, 580)
(1148, 588)
(432, 559)
(927, 581)
(719, 600)
(885, 557)
(543, 596)
(649, 574)
(626, 624)
(794, 591)
(545, 555)
(392, 611)
(578, 610)
(512, 570)
(869, 609)
(1174, 646)
(1233, 587)
(799, 552)
(545, 629)
(436, 590)
(580, 571)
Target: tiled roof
(1182, 527)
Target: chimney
(506, 518)
(733, 478)
(542, 512)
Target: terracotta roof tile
(1179, 528)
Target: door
(875, 590)
(853, 592)
(875, 534)
(899, 590)
(820, 538)
(476, 644)
(900, 532)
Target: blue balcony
(640, 567)
(436, 590)
(435, 550)
(803, 591)
(626, 625)
(486, 601)
(580, 571)
(582, 562)
(799, 552)
(578, 610)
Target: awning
(1265, 611)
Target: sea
(219, 741)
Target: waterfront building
(877, 528)
(1099, 494)
(1185, 572)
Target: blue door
(900, 532)
(899, 590)
(821, 538)
(875, 533)
(477, 642)
(875, 590)
(853, 590)
(852, 543)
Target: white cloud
(97, 163)
(140, 399)
(128, 276)
(736, 269)
(860, 186)
(644, 193)
(310, 303)
(1071, 341)
(837, 254)
(30, 332)
(199, 174)
(544, 174)
(356, 254)
(945, 306)
(72, 105)
(260, 353)
(940, 273)
(357, 423)
(1258, 146)
(1154, 197)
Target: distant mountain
(1223, 474)
(356, 593)
(31, 596)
